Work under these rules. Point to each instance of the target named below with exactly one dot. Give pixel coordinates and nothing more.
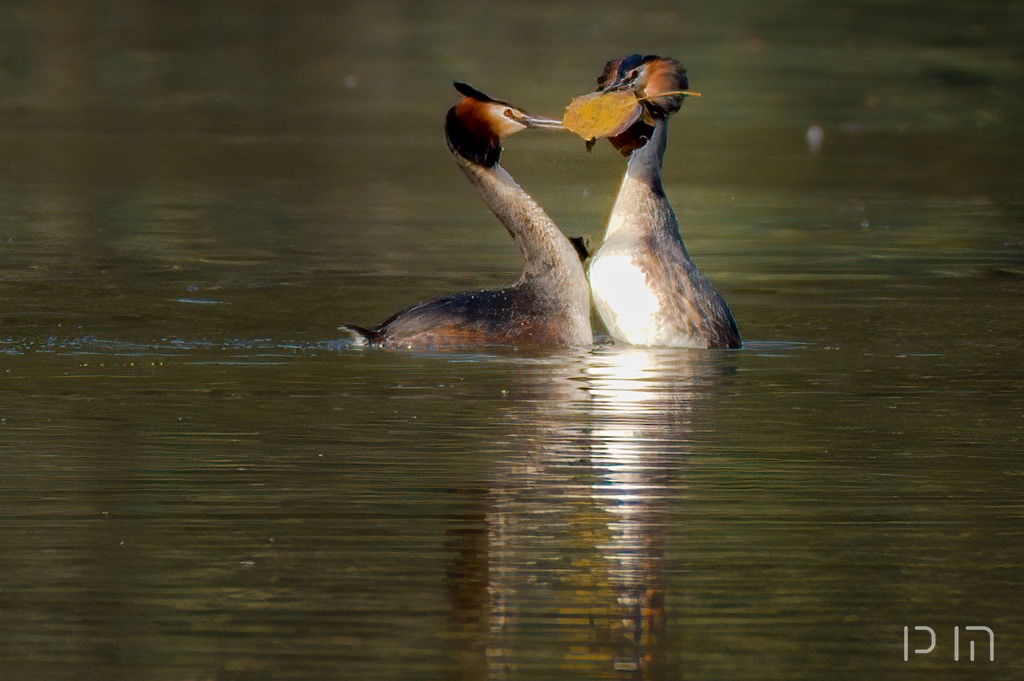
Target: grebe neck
(551, 263)
(641, 207)
(645, 163)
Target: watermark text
(956, 642)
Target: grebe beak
(537, 122)
(670, 93)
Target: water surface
(199, 481)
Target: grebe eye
(509, 113)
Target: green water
(198, 481)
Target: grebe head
(477, 124)
(659, 84)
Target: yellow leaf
(602, 114)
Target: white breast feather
(625, 301)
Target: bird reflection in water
(560, 566)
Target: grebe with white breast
(645, 286)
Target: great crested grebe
(645, 286)
(550, 304)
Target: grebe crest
(648, 76)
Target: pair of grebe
(645, 287)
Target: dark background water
(198, 482)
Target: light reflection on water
(568, 536)
(488, 515)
